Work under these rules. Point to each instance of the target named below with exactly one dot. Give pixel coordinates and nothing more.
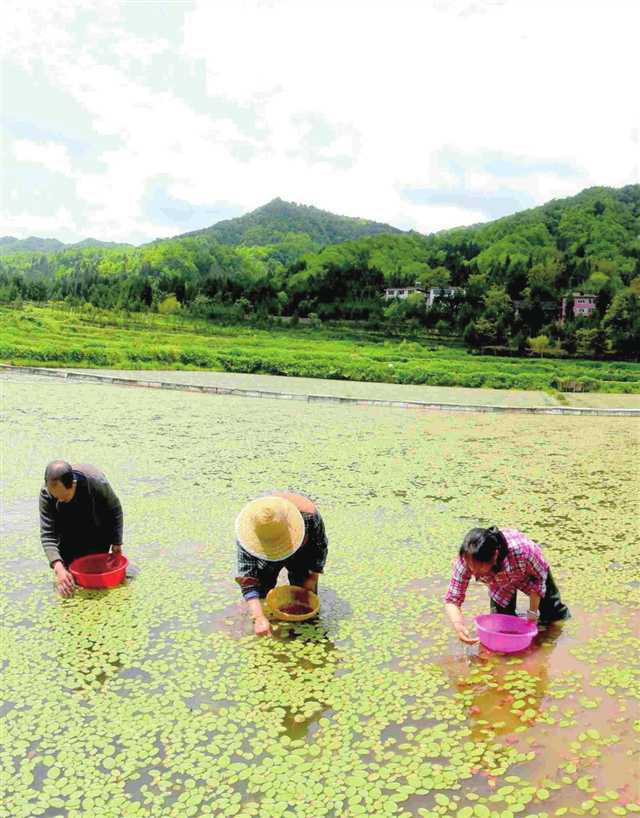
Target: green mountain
(9, 244)
(96, 243)
(272, 222)
(510, 276)
(34, 244)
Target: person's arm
(454, 598)
(311, 582)
(455, 617)
(64, 579)
(534, 606)
(51, 545)
(113, 508)
(536, 570)
(48, 530)
(261, 625)
(248, 578)
(318, 546)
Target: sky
(129, 121)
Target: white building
(442, 292)
(402, 292)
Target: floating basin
(505, 634)
(99, 570)
(291, 603)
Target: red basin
(99, 570)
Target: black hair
(482, 543)
(59, 471)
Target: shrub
(169, 305)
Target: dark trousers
(552, 608)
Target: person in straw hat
(279, 530)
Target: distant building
(402, 292)
(442, 292)
(582, 305)
(549, 308)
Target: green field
(56, 336)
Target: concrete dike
(212, 389)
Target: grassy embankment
(55, 336)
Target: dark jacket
(105, 511)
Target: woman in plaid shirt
(506, 561)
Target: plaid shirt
(255, 576)
(523, 569)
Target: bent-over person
(280, 530)
(507, 561)
(80, 514)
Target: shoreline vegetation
(57, 335)
(560, 280)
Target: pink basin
(505, 634)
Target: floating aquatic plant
(154, 698)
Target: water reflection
(303, 656)
(504, 693)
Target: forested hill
(580, 234)
(34, 244)
(9, 244)
(272, 222)
(510, 276)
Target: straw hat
(270, 528)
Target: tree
(541, 280)
(596, 282)
(169, 306)
(415, 305)
(590, 341)
(622, 322)
(476, 288)
(283, 300)
(243, 307)
(480, 333)
(497, 304)
(438, 277)
(539, 345)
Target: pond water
(155, 700)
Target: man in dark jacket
(79, 514)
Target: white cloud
(390, 85)
(137, 49)
(53, 156)
(59, 224)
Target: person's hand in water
(301, 596)
(114, 553)
(463, 634)
(261, 626)
(64, 580)
(455, 617)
